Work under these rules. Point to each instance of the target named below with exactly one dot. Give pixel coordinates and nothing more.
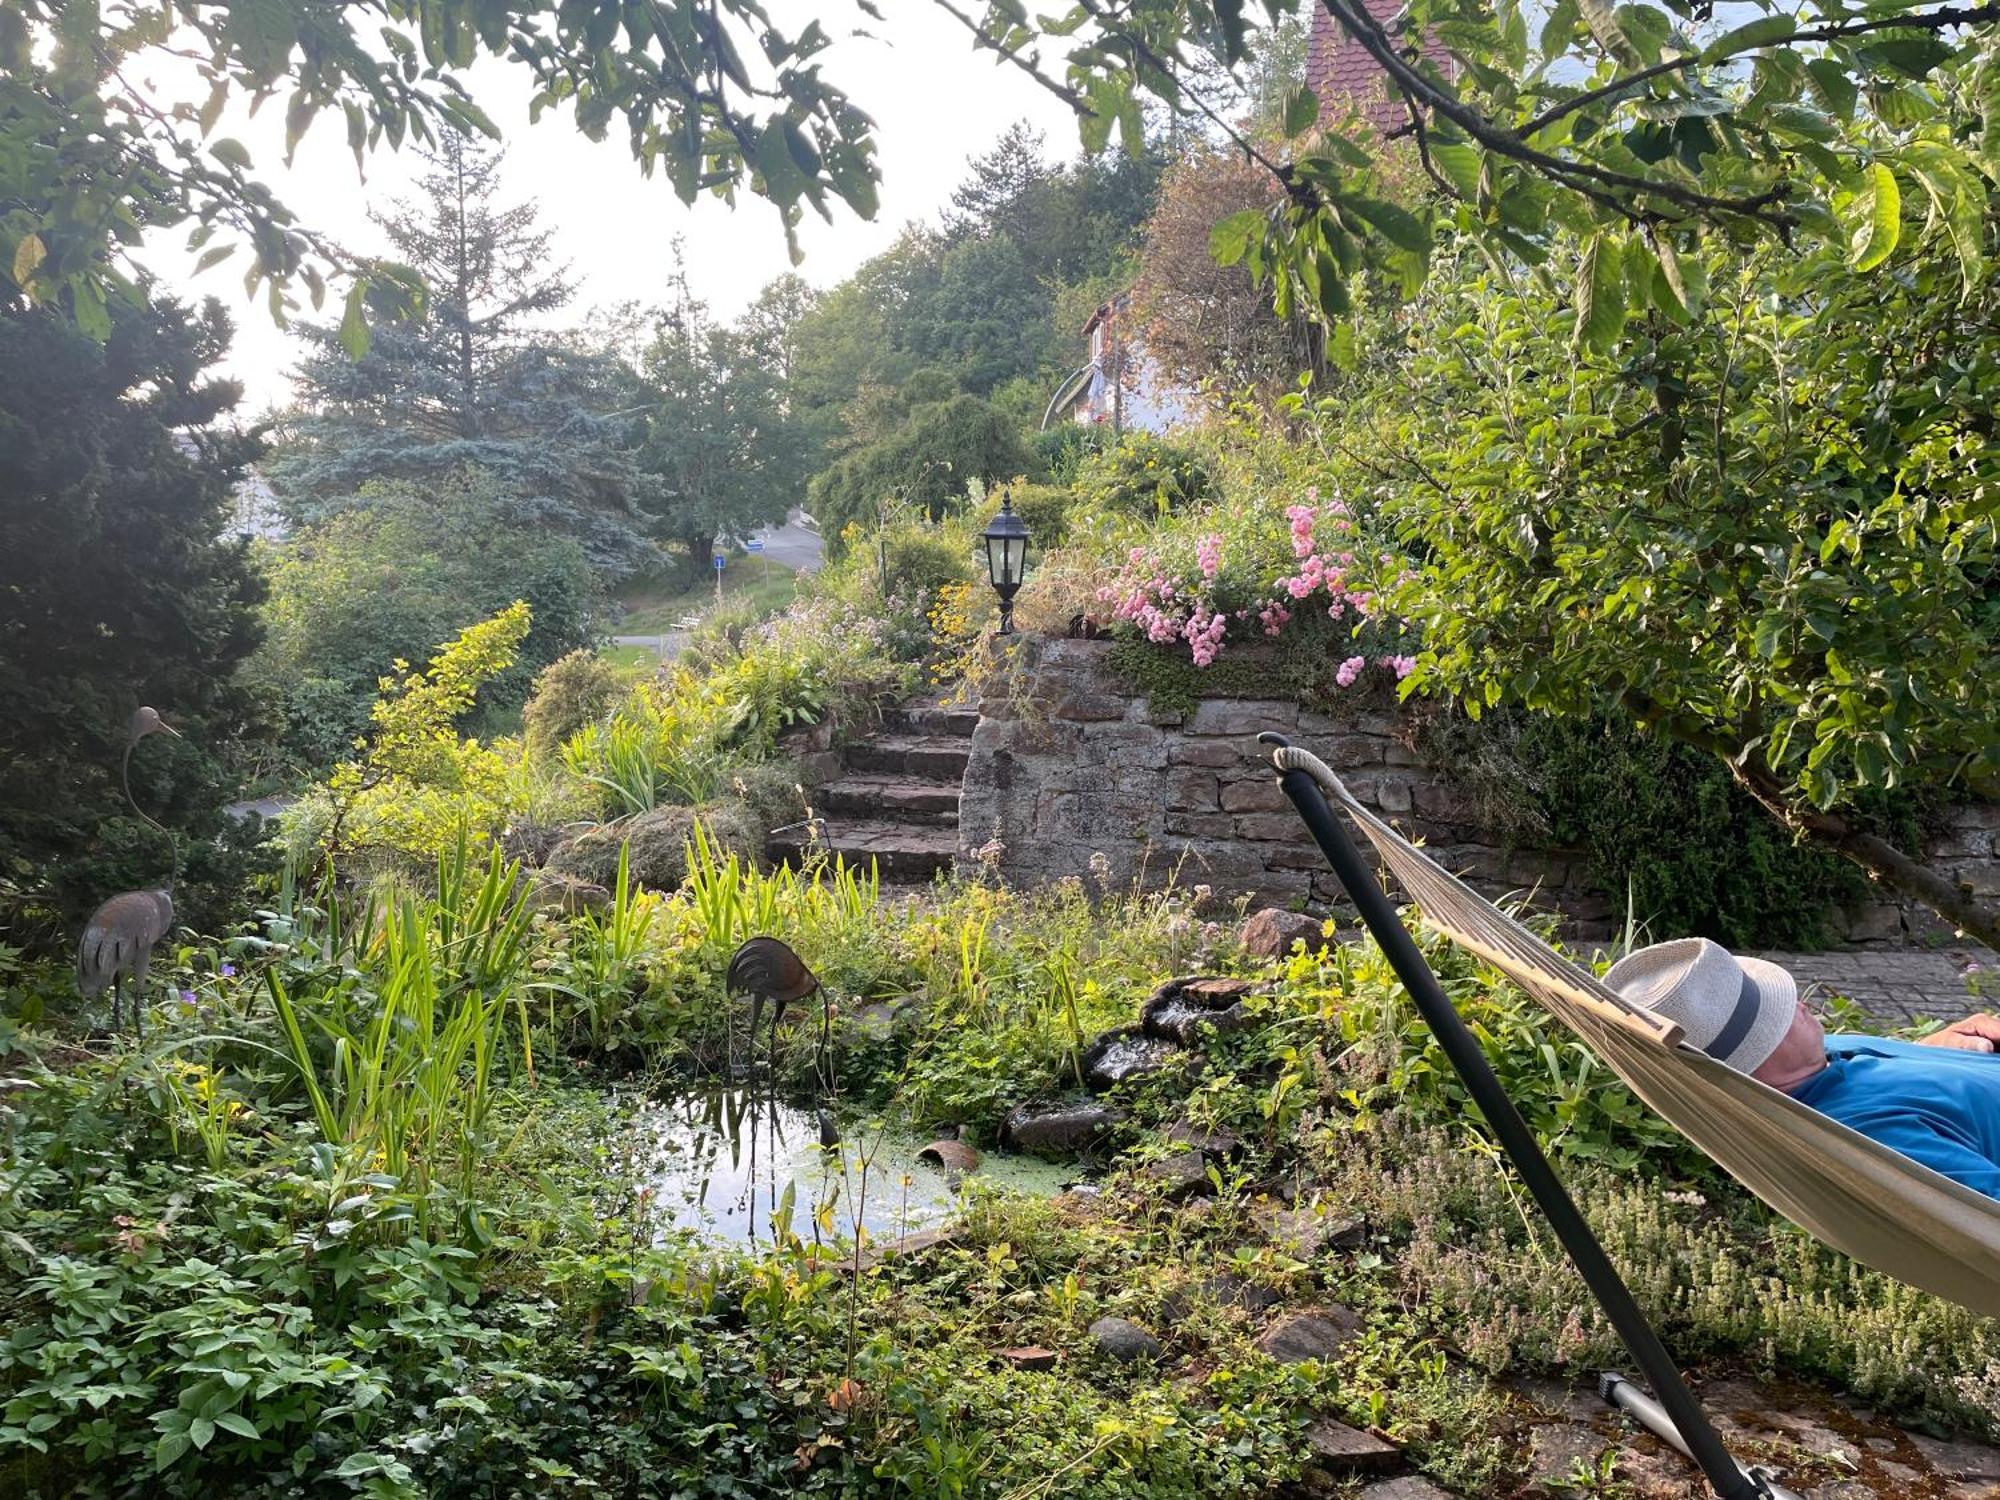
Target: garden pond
(723, 1162)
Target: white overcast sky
(936, 103)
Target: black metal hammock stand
(1676, 1416)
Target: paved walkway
(1899, 985)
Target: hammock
(1866, 1201)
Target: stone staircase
(895, 800)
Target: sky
(936, 104)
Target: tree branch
(1936, 20)
(1376, 42)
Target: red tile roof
(1343, 76)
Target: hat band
(1739, 1023)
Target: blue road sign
(753, 545)
(718, 562)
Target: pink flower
(1208, 555)
(1349, 670)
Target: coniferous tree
(118, 588)
(477, 382)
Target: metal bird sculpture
(768, 970)
(119, 938)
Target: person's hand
(1980, 1033)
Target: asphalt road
(793, 545)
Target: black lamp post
(1006, 539)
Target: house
(1119, 387)
(1345, 79)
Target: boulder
(657, 841)
(1339, 1449)
(1123, 1055)
(1056, 1131)
(1305, 1336)
(1123, 1340)
(1307, 1230)
(1214, 1141)
(1556, 1451)
(1270, 933)
(1181, 1173)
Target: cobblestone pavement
(1898, 986)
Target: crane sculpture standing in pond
(768, 970)
(119, 938)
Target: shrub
(1145, 476)
(571, 692)
(657, 842)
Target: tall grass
(401, 1042)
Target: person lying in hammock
(1937, 1101)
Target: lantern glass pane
(1017, 558)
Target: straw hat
(1736, 1010)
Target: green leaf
(1600, 295)
(1874, 218)
(1460, 163)
(1395, 224)
(1762, 32)
(354, 336)
(1301, 110)
(1230, 240)
(230, 152)
(236, 1422)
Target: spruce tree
(118, 587)
(477, 382)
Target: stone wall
(1068, 764)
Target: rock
(1557, 1450)
(1217, 992)
(880, 1252)
(1124, 1340)
(1958, 1460)
(1409, 1487)
(1030, 1357)
(1122, 1055)
(1059, 1132)
(551, 890)
(1183, 1021)
(881, 1021)
(1308, 1230)
(1182, 1173)
(1226, 1290)
(953, 1156)
(1214, 1141)
(1270, 933)
(1340, 1449)
(1305, 1336)
(657, 843)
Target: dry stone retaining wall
(1074, 774)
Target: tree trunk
(701, 554)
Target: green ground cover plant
(362, 1216)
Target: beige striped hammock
(1865, 1200)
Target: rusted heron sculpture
(119, 938)
(768, 971)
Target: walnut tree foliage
(1646, 125)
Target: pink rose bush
(1222, 576)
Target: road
(793, 545)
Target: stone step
(930, 757)
(904, 853)
(926, 714)
(893, 798)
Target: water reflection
(722, 1162)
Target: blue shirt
(1936, 1105)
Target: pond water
(720, 1162)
